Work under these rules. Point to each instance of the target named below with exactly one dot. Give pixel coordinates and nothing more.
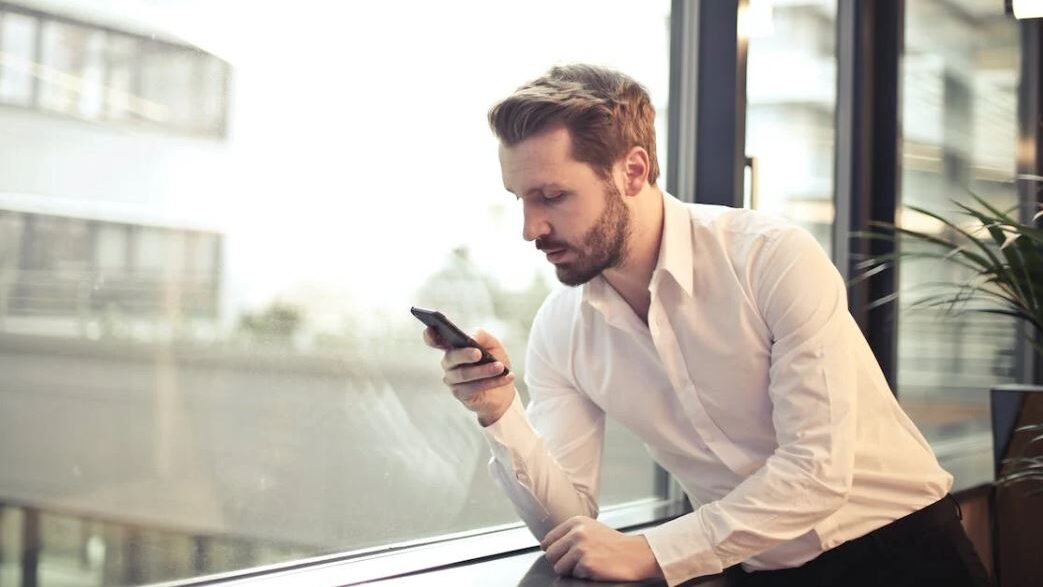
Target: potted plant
(1002, 258)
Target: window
(791, 100)
(960, 73)
(233, 378)
(17, 47)
(72, 69)
(120, 88)
(171, 85)
(94, 72)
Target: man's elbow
(825, 482)
(830, 487)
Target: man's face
(575, 216)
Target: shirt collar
(675, 247)
(675, 255)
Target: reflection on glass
(17, 48)
(170, 84)
(791, 97)
(122, 55)
(215, 333)
(72, 69)
(959, 115)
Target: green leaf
(1003, 256)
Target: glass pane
(791, 100)
(73, 69)
(171, 85)
(151, 255)
(17, 46)
(53, 271)
(212, 98)
(234, 378)
(111, 249)
(121, 100)
(960, 74)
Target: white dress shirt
(751, 384)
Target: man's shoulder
(743, 221)
(738, 232)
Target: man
(719, 336)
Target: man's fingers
(484, 338)
(557, 550)
(465, 391)
(469, 373)
(558, 532)
(567, 563)
(454, 358)
(487, 341)
(432, 339)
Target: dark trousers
(927, 547)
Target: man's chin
(570, 276)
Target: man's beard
(604, 246)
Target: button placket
(665, 341)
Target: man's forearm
(542, 492)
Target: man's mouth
(555, 255)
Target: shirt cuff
(683, 550)
(512, 437)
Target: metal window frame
(867, 165)
(706, 152)
(682, 116)
(1030, 162)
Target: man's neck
(633, 276)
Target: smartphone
(452, 334)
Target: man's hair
(606, 113)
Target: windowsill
(511, 543)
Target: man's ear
(635, 170)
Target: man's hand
(480, 388)
(588, 549)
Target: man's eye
(553, 197)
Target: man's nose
(534, 226)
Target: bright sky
(359, 155)
(361, 139)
